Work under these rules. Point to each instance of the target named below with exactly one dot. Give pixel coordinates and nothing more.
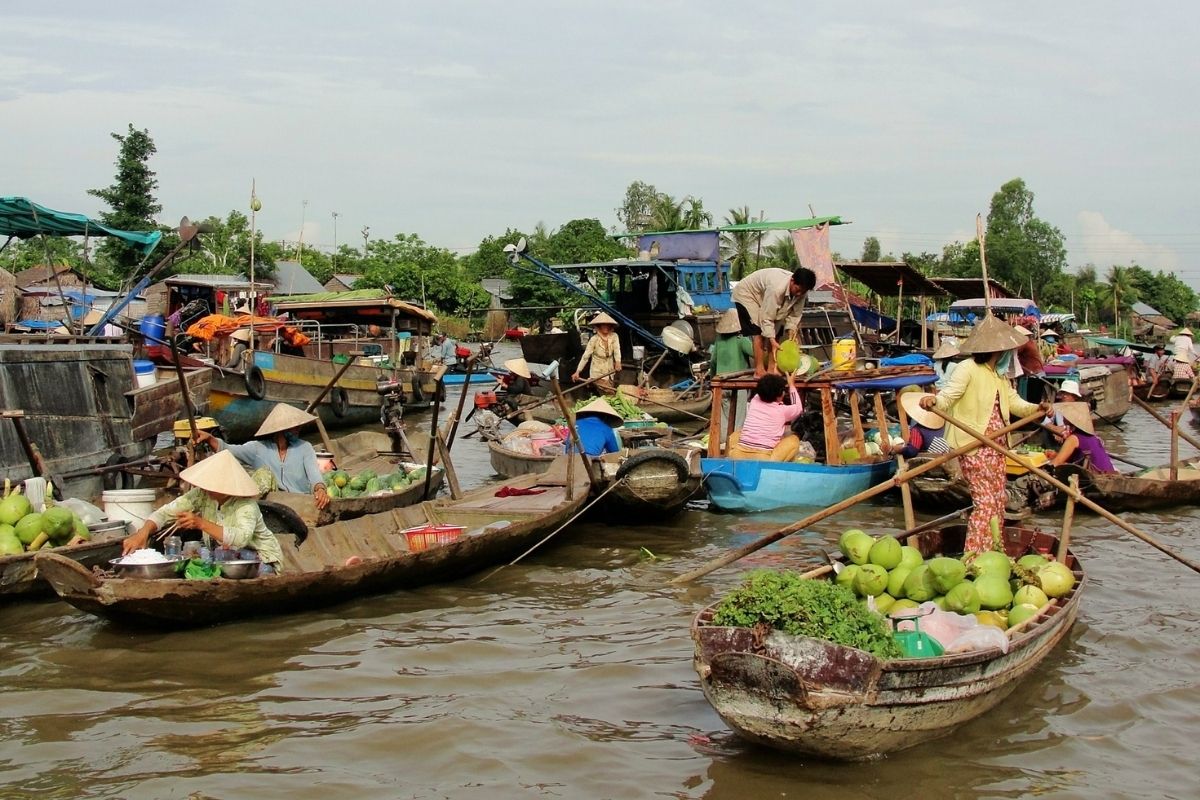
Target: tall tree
(1118, 293)
(782, 253)
(637, 209)
(694, 216)
(131, 200)
(226, 248)
(666, 214)
(740, 248)
(1021, 249)
(871, 249)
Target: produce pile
(620, 402)
(24, 530)
(995, 589)
(801, 607)
(340, 483)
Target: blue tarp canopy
(24, 219)
(896, 382)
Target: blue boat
(749, 485)
(460, 378)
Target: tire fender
(256, 383)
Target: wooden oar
(550, 397)
(1062, 487)
(187, 402)
(1187, 437)
(593, 478)
(867, 494)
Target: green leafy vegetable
(818, 609)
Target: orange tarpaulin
(213, 325)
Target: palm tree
(666, 214)
(782, 253)
(695, 217)
(1120, 292)
(739, 246)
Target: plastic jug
(844, 353)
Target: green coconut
(1056, 579)
(10, 545)
(886, 552)
(902, 605)
(911, 557)
(993, 563)
(963, 598)
(919, 584)
(947, 573)
(59, 524)
(847, 575)
(787, 357)
(896, 579)
(13, 507)
(857, 547)
(1021, 613)
(1030, 595)
(29, 527)
(994, 592)
(871, 580)
(1032, 561)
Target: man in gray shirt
(770, 301)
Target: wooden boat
(1180, 388)
(340, 561)
(652, 482)
(745, 486)
(675, 412)
(808, 696)
(943, 489)
(19, 576)
(1142, 490)
(1105, 383)
(357, 452)
(1155, 389)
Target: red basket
(427, 536)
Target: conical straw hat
(1021, 329)
(1078, 414)
(991, 336)
(1186, 332)
(600, 406)
(729, 322)
(946, 349)
(221, 473)
(911, 402)
(282, 418)
(518, 366)
(603, 319)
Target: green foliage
(130, 199)
(489, 260)
(781, 253)
(581, 240)
(1022, 250)
(225, 250)
(418, 271)
(1165, 292)
(636, 210)
(818, 609)
(743, 249)
(871, 249)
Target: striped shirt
(767, 423)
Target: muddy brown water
(569, 675)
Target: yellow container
(183, 430)
(1013, 468)
(844, 351)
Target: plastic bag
(87, 512)
(806, 453)
(956, 633)
(981, 637)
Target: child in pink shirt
(766, 435)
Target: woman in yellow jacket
(980, 396)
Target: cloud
(1103, 245)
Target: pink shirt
(767, 423)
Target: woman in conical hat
(221, 507)
(516, 382)
(1080, 444)
(730, 352)
(278, 455)
(979, 395)
(945, 359)
(603, 350)
(595, 423)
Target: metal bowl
(162, 569)
(239, 570)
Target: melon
(886, 552)
(29, 527)
(871, 580)
(13, 507)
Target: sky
(458, 120)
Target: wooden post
(731, 423)
(462, 399)
(860, 442)
(1187, 437)
(325, 440)
(1064, 541)
(1174, 445)
(924, 324)
(885, 436)
(187, 400)
(902, 415)
(448, 465)
(569, 415)
(910, 518)
(714, 422)
(833, 445)
(433, 433)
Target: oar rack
(825, 383)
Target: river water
(569, 675)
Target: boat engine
(391, 409)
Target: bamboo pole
(910, 518)
(866, 494)
(1064, 541)
(1075, 493)
(462, 399)
(570, 417)
(1187, 437)
(1174, 445)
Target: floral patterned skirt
(984, 472)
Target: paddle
(1062, 487)
(1154, 413)
(187, 402)
(877, 489)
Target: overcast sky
(455, 120)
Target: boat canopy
(891, 278)
(364, 302)
(22, 218)
(965, 309)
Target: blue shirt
(297, 472)
(597, 436)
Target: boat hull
(19, 576)
(803, 695)
(744, 485)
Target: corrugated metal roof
(292, 278)
(215, 281)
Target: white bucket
(132, 505)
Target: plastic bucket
(131, 505)
(844, 351)
(144, 371)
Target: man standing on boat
(770, 301)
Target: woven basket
(660, 395)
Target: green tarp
(24, 219)
(766, 225)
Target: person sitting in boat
(1080, 444)
(1069, 391)
(516, 383)
(603, 351)
(1182, 345)
(731, 352)
(981, 397)
(1157, 362)
(597, 423)
(446, 350)
(278, 449)
(945, 359)
(221, 507)
(766, 433)
(1049, 348)
(926, 430)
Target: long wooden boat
(354, 453)
(651, 482)
(1105, 383)
(809, 696)
(745, 485)
(1142, 490)
(341, 561)
(19, 576)
(676, 412)
(1156, 389)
